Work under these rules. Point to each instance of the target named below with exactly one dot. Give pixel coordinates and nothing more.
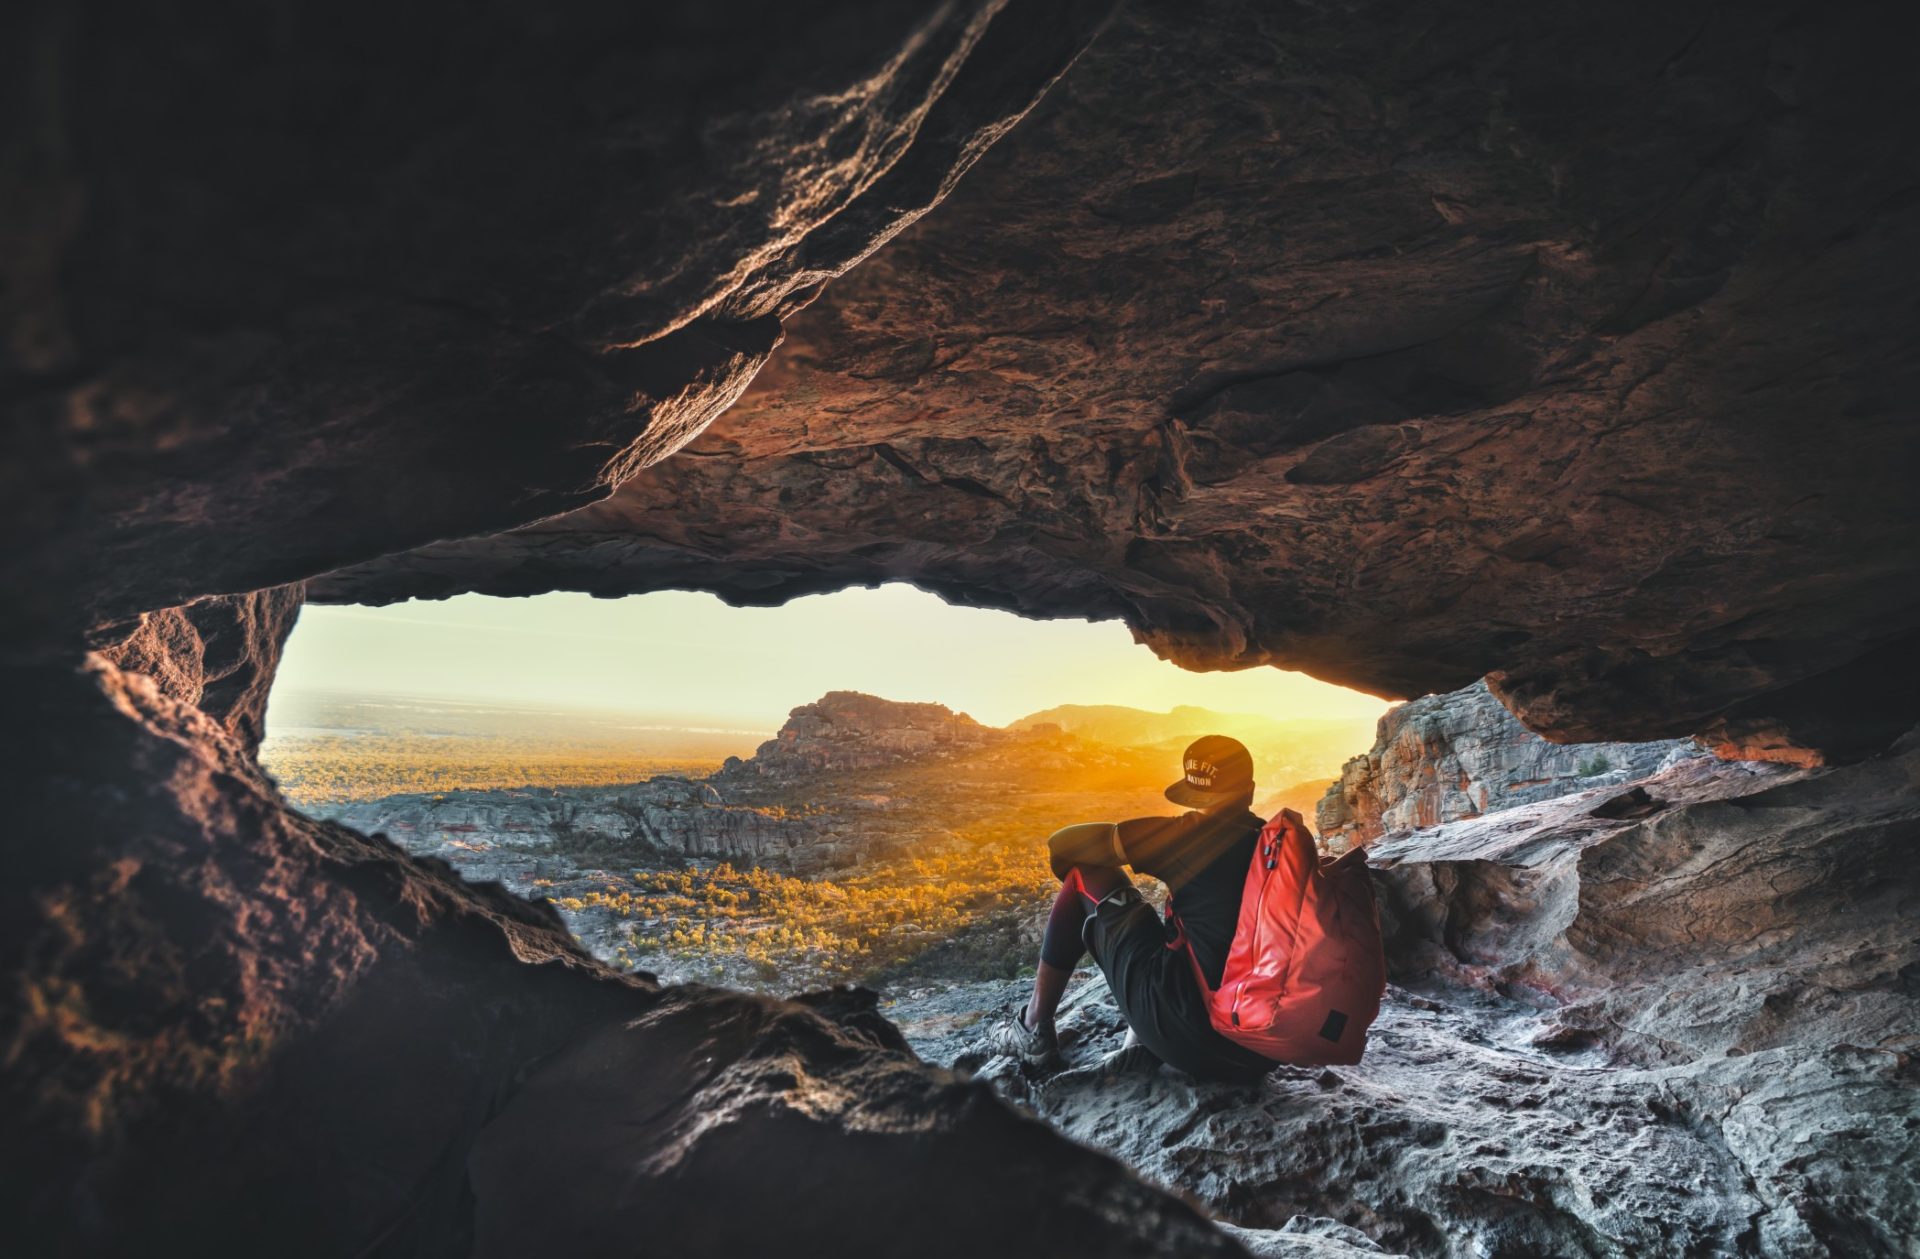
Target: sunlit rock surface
(1673, 1018)
(1442, 758)
(498, 835)
(848, 730)
(1405, 344)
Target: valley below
(867, 841)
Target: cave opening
(846, 787)
(1572, 348)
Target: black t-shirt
(1203, 860)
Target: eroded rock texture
(1442, 758)
(291, 288)
(846, 730)
(1673, 1018)
(1405, 343)
(1400, 343)
(271, 1035)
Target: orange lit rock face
(285, 304)
(1402, 345)
(846, 730)
(1403, 357)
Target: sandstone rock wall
(1401, 343)
(1442, 758)
(218, 654)
(492, 835)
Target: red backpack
(1306, 971)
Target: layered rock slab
(1396, 344)
(491, 834)
(1443, 758)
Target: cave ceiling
(293, 287)
(1550, 343)
(1400, 343)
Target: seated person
(1202, 856)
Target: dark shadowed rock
(1397, 343)
(289, 289)
(778, 1131)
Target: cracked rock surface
(1690, 1031)
(1401, 344)
(1442, 758)
(291, 288)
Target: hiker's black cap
(1217, 770)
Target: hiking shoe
(1013, 1038)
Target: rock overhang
(1610, 404)
(1574, 347)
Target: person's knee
(1097, 883)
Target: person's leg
(1028, 1034)
(1062, 944)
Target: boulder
(1459, 755)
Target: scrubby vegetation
(849, 927)
(959, 891)
(336, 769)
(328, 747)
(840, 929)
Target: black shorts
(1158, 993)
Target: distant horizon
(554, 709)
(689, 656)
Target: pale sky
(683, 653)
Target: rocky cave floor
(1676, 1015)
(1459, 1121)
(1632, 1022)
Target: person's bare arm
(1087, 844)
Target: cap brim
(1183, 792)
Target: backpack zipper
(1267, 848)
